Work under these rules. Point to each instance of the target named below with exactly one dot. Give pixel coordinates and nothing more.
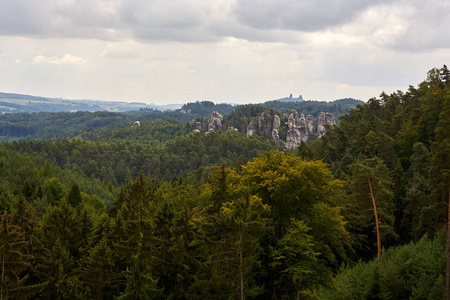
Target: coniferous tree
(440, 172)
(136, 245)
(14, 260)
(74, 196)
(371, 183)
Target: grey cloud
(49, 19)
(160, 14)
(108, 19)
(428, 26)
(21, 17)
(166, 20)
(208, 21)
(301, 15)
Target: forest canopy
(92, 210)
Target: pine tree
(440, 173)
(14, 261)
(135, 245)
(371, 189)
(97, 270)
(61, 224)
(374, 290)
(74, 196)
(245, 222)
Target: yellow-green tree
(290, 185)
(301, 196)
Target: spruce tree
(14, 261)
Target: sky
(225, 51)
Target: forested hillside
(50, 125)
(99, 209)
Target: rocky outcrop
(324, 120)
(310, 123)
(297, 130)
(214, 123)
(251, 128)
(268, 123)
(136, 124)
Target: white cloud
(67, 59)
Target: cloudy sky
(240, 51)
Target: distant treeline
(45, 125)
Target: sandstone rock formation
(323, 120)
(297, 130)
(214, 123)
(268, 124)
(310, 123)
(251, 128)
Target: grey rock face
(310, 123)
(251, 128)
(324, 119)
(298, 127)
(297, 130)
(214, 123)
(269, 123)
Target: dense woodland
(66, 125)
(162, 212)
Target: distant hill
(18, 103)
(20, 96)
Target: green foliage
(119, 161)
(297, 261)
(14, 261)
(6, 199)
(205, 108)
(162, 212)
(74, 196)
(54, 191)
(336, 107)
(407, 133)
(290, 185)
(412, 271)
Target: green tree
(245, 223)
(61, 225)
(74, 196)
(440, 172)
(97, 269)
(135, 245)
(14, 261)
(297, 190)
(371, 187)
(5, 199)
(289, 185)
(54, 190)
(296, 261)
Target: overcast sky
(239, 51)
